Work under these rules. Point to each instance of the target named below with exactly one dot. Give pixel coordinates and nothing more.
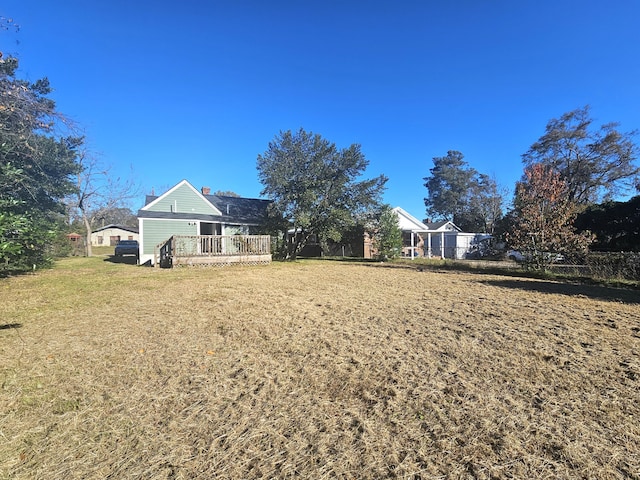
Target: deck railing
(184, 249)
(163, 253)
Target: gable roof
(152, 201)
(113, 225)
(234, 210)
(443, 226)
(408, 222)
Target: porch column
(429, 244)
(413, 243)
(198, 239)
(442, 245)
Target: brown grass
(315, 370)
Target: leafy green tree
(314, 186)
(461, 194)
(387, 238)
(543, 217)
(448, 185)
(616, 225)
(594, 163)
(36, 167)
(484, 209)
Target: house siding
(184, 200)
(158, 231)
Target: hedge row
(614, 265)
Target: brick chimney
(206, 190)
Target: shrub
(614, 265)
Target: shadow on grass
(514, 277)
(569, 289)
(127, 259)
(7, 326)
(336, 259)
(11, 273)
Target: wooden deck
(213, 250)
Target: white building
(109, 235)
(436, 239)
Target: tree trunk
(298, 244)
(87, 226)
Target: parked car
(515, 256)
(518, 256)
(126, 247)
(473, 255)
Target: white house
(435, 239)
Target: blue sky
(196, 89)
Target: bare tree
(98, 192)
(226, 193)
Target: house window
(100, 239)
(406, 238)
(130, 237)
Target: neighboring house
(109, 235)
(435, 239)
(186, 211)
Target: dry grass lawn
(315, 370)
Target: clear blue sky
(196, 89)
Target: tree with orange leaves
(543, 218)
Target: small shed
(74, 237)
